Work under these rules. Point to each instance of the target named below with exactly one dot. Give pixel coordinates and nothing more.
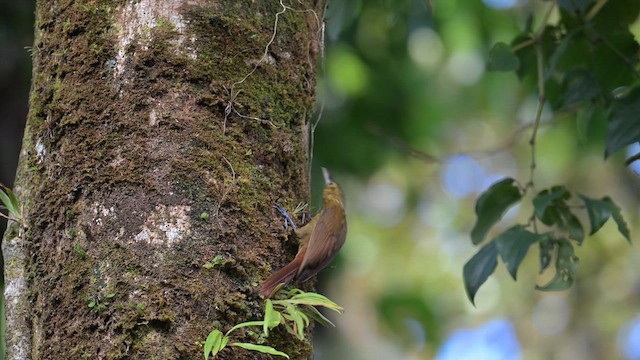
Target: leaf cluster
(552, 208)
(10, 203)
(590, 59)
(293, 313)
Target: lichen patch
(135, 20)
(41, 151)
(165, 226)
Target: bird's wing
(326, 239)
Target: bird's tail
(282, 276)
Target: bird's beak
(327, 176)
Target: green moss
(165, 25)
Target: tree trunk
(159, 136)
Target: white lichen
(137, 17)
(41, 151)
(166, 225)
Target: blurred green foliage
(423, 109)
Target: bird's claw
(287, 218)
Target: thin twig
(216, 212)
(536, 124)
(476, 154)
(266, 48)
(402, 145)
(256, 119)
(595, 10)
(538, 35)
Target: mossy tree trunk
(159, 136)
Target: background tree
(159, 136)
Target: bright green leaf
(314, 299)
(566, 266)
(477, 270)
(246, 324)
(212, 344)
(513, 245)
(501, 58)
(10, 202)
(260, 348)
(317, 316)
(223, 343)
(298, 321)
(492, 205)
(271, 318)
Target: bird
(320, 240)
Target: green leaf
(313, 299)
(271, 318)
(246, 324)
(80, 251)
(10, 202)
(492, 205)
(579, 86)
(298, 321)
(545, 199)
(616, 213)
(624, 126)
(566, 266)
(513, 245)
(213, 343)
(477, 270)
(501, 58)
(599, 212)
(572, 224)
(289, 328)
(260, 348)
(546, 248)
(551, 208)
(315, 314)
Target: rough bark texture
(149, 152)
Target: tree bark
(160, 134)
